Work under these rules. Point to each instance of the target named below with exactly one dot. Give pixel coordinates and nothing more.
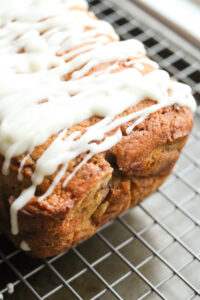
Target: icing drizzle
(40, 43)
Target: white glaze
(27, 78)
(10, 287)
(24, 246)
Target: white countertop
(183, 14)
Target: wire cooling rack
(150, 252)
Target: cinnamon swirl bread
(89, 125)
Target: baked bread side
(111, 175)
(104, 187)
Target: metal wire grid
(151, 251)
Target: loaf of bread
(89, 125)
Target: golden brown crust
(104, 187)
(107, 185)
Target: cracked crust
(107, 185)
